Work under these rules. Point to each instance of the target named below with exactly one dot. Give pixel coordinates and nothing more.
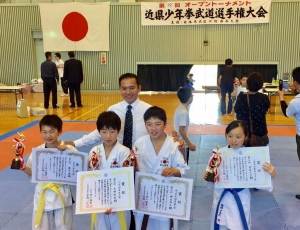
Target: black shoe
(55, 107)
(298, 197)
(79, 106)
(72, 106)
(46, 107)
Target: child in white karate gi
(110, 154)
(157, 153)
(57, 211)
(228, 214)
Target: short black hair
(235, 124)
(57, 55)
(191, 74)
(108, 120)
(255, 81)
(48, 54)
(128, 75)
(71, 54)
(155, 112)
(184, 94)
(228, 61)
(53, 121)
(296, 74)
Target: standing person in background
(60, 68)
(236, 84)
(243, 85)
(241, 88)
(190, 78)
(73, 75)
(50, 78)
(182, 120)
(259, 105)
(293, 109)
(225, 81)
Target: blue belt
(239, 204)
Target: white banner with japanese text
(242, 168)
(100, 190)
(205, 12)
(50, 165)
(163, 196)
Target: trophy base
(15, 164)
(210, 177)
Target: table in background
(14, 89)
(273, 91)
(211, 88)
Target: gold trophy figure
(131, 160)
(213, 165)
(18, 149)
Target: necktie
(127, 138)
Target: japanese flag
(75, 26)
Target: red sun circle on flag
(75, 26)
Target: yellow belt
(54, 188)
(121, 218)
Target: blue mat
(278, 210)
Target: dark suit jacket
(73, 71)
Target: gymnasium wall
(131, 43)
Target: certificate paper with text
(242, 168)
(50, 165)
(100, 190)
(163, 196)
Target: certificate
(50, 165)
(242, 168)
(100, 190)
(163, 196)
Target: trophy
(94, 160)
(131, 160)
(214, 163)
(18, 149)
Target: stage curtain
(162, 77)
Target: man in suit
(73, 75)
(50, 78)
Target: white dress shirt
(138, 109)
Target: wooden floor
(204, 109)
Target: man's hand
(181, 144)
(219, 80)
(70, 143)
(57, 82)
(62, 147)
(192, 147)
(174, 133)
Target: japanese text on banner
(205, 12)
